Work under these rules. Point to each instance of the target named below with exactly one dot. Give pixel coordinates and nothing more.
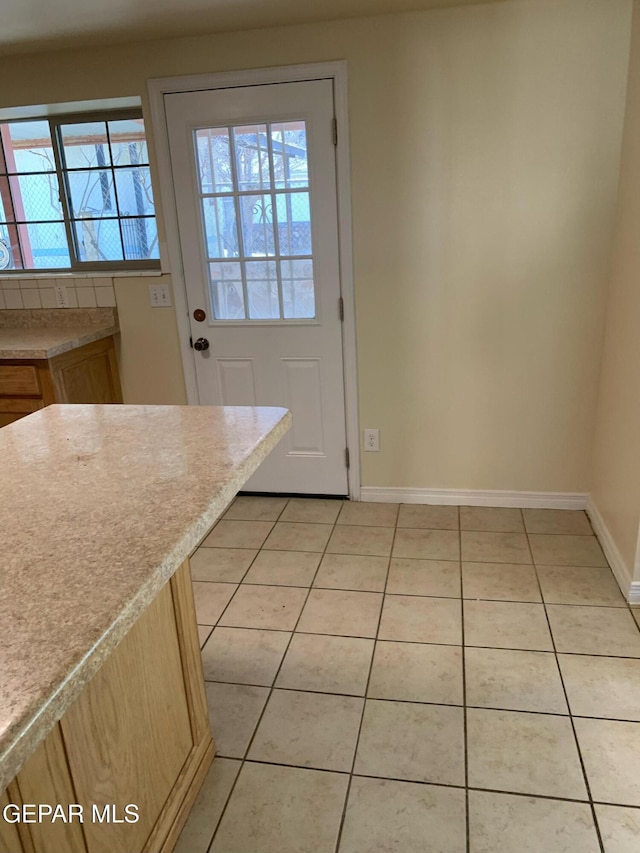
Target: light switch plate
(159, 296)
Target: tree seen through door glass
(255, 204)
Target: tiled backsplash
(40, 292)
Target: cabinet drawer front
(19, 379)
(19, 405)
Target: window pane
(262, 290)
(257, 225)
(294, 223)
(140, 239)
(221, 233)
(98, 240)
(44, 245)
(85, 144)
(298, 296)
(9, 249)
(92, 194)
(135, 196)
(225, 287)
(36, 197)
(252, 157)
(214, 160)
(289, 145)
(27, 147)
(128, 143)
(6, 214)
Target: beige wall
(485, 155)
(616, 478)
(151, 370)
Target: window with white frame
(75, 194)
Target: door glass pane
(289, 145)
(252, 157)
(226, 289)
(220, 229)
(294, 223)
(255, 206)
(214, 160)
(262, 290)
(298, 296)
(257, 225)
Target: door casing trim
(170, 253)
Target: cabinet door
(88, 374)
(128, 735)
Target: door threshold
(292, 495)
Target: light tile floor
(390, 678)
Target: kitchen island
(101, 692)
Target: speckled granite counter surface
(100, 506)
(43, 333)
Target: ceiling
(33, 25)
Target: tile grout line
(566, 698)
(235, 781)
(623, 606)
(446, 785)
(243, 760)
(418, 701)
(422, 643)
(366, 691)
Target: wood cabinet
(137, 734)
(87, 374)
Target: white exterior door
(255, 187)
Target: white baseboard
(470, 497)
(621, 571)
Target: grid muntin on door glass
(253, 185)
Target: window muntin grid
(254, 197)
(75, 193)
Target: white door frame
(336, 71)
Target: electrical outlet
(372, 439)
(62, 300)
(159, 296)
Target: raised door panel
(304, 399)
(87, 375)
(45, 779)
(237, 381)
(88, 382)
(129, 735)
(19, 379)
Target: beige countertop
(101, 504)
(44, 333)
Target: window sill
(31, 274)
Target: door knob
(201, 345)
